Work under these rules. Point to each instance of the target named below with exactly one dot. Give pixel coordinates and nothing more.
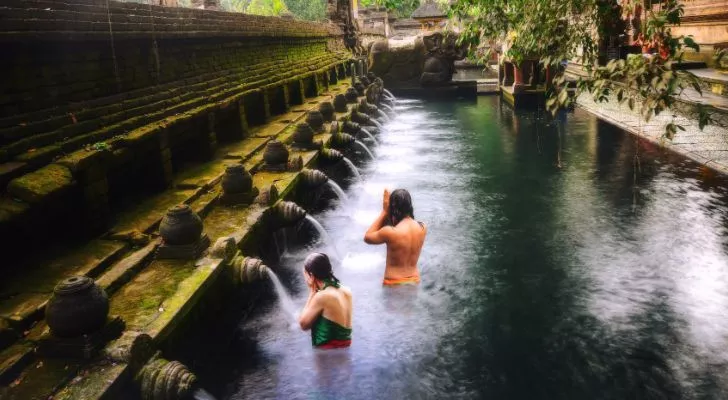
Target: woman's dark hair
(318, 265)
(400, 206)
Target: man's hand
(385, 201)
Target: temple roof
(429, 9)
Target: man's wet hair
(400, 206)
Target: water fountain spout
(338, 190)
(327, 111)
(365, 148)
(248, 269)
(160, 379)
(369, 135)
(351, 96)
(287, 213)
(389, 94)
(322, 233)
(313, 178)
(354, 170)
(342, 140)
(382, 115)
(340, 103)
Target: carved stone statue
(442, 52)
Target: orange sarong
(407, 280)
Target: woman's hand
(310, 282)
(385, 201)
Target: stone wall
(707, 22)
(100, 105)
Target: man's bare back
(404, 240)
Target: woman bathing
(328, 309)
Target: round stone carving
(275, 153)
(78, 306)
(351, 96)
(340, 103)
(327, 111)
(180, 226)
(316, 120)
(236, 179)
(360, 88)
(365, 80)
(303, 134)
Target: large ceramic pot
(275, 153)
(316, 120)
(237, 180)
(340, 103)
(78, 306)
(303, 134)
(327, 111)
(180, 226)
(351, 96)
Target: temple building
(430, 15)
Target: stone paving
(708, 146)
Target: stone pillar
(244, 127)
(333, 79)
(508, 69)
(165, 159)
(266, 105)
(286, 97)
(210, 141)
(518, 84)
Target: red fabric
(335, 344)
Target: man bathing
(404, 237)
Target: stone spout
(248, 269)
(161, 379)
(331, 156)
(287, 213)
(313, 178)
(350, 127)
(342, 140)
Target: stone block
(43, 184)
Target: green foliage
(575, 30)
(312, 10)
(400, 8)
(266, 7)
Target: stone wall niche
(255, 108)
(295, 93)
(277, 100)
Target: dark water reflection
(551, 270)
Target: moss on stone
(42, 184)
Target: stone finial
(182, 236)
(295, 164)
(237, 185)
(327, 111)
(351, 96)
(303, 136)
(315, 119)
(77, 307)
(340, 103)
(275, 156)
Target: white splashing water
(375, 122)
(369, 135)
(389, 94)
(323, 234)
(364, 147)
(338, 190)
(383, 115)
(283, 297)
(352, 167)
(202, 394)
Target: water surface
(557, 266)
